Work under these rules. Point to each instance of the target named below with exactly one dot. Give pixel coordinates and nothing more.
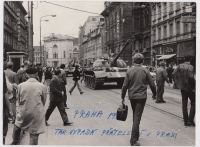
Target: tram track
(156, 108)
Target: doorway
(16, 64)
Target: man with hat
(30, 115)
(76, 77)
(161, 77)
(136, 81)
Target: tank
(106, 70)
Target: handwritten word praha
(92, 114)
(114, 132)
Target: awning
(166, 57)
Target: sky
(66, 22)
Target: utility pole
(30, 31)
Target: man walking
(76, 77)
(40, 73)
(186, 83)
(56, 99)
(161, 77)
(64, 83)
(12, 77)
(136, 81)
(31, 98)
(169, 72)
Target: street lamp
(40, 34)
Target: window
(171, 6)
(154, 34)
(137, 22)
(178, 27)
(171, 29)
(147, 42)
(93, 19)
(101, 19)
(47, 55)
(193, 26)
(165, 31)
(165, 8)
(159, 33)
(159, 11)
(70, 55)
(178, 6)
(64, 53)
(185, 27)
(154, 13)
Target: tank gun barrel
(125, 45)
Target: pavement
(93, 114)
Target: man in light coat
(30, 115)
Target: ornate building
(141, 26)
(118, 28)
(172, 38)
(15, 33)
(37, 55)
(58, 49)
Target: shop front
(169, 55)
(17, 58)
(184, 48)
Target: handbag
(122, 112)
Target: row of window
(165, 6)
(172, 32)
(8, 20)
(38, 59)
(10, 40)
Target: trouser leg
(34, 139)
(192, 108)
(62, 111)
(159, 91)
(73, 87)
(52, 106)
(13, 106)
(5, 124)
(79, 88)
(65, 96)
(16, 134)
(184, 105)
(137, 107)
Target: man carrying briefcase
(136, 81)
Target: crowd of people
(25, 94)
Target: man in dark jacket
(64, 83)
(136, 81)
(76, 77)
(161, 77)
(169, 72)
(186, 83)
(56, 99)
(40, 73)
(12, 76)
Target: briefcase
(122, 112)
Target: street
(95, 123)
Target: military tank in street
(106, 70)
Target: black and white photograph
(99, 73)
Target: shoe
(67, 123)
(135, 144)
(158, 101)
(14, 143)
(163, 101)
(47, 124)
(81, 92)
(190, 123)
(70, 92)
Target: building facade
(15, 33)
(75, 50)
(118, 28)
(141, 28)
(37, 55)
(93, 44)
(91, 24)
(172, 39)
(58, 49)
